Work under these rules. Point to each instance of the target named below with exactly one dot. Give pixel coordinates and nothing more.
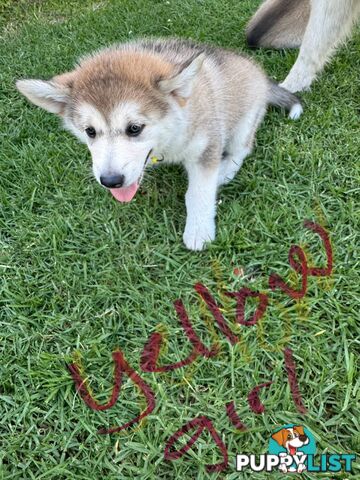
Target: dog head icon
(291, 438)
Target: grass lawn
(82, 275)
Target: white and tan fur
(316, 26)
(197, 105)
(292, 439)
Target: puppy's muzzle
(113, 181)
(303, 438)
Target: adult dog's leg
(329, 23)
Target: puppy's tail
(280, 97)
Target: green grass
(82, 275)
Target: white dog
(316, 26)
(181, 101)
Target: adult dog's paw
(297, 83)
(196, 235)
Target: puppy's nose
(113, 181)
(302, 438)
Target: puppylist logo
(292, 449)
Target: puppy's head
(291, 438)
(123, 104)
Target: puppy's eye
(90, 132)
(133, 130)
(289, 437)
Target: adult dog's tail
(278, 24)
(281, 97)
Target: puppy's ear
(279, 437)
(299, 430)
(181, 83)
(52, 95)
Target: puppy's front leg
(200, 200)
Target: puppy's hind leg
(240, 144)
(329, 24)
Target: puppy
(291, 439)
(184, 102)
(316, 26)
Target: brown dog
(292, 439)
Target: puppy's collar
(155, 160)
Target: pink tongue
(125, 194)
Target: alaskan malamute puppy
(316, 26)
(171, 99)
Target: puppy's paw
(226, 176)
(283, 468)
(301, 468)
(197, 234)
